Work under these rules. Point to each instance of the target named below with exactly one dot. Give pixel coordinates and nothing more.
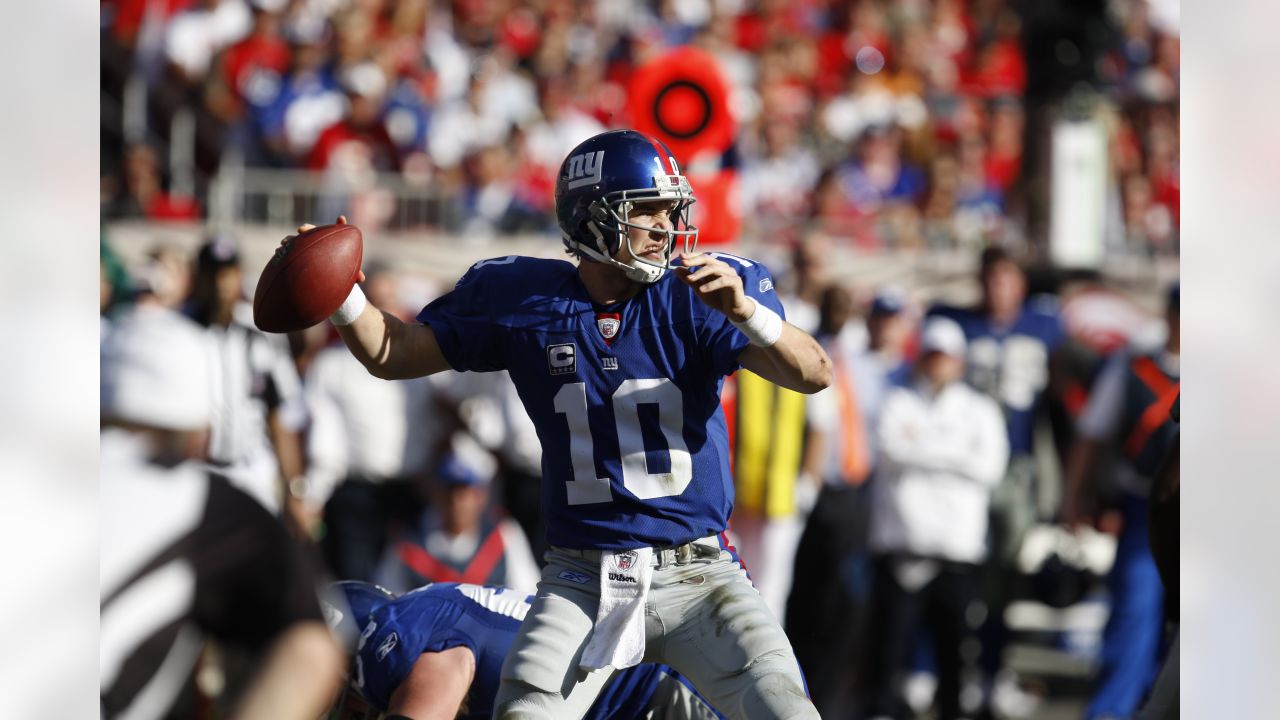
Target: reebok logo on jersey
(766, 284)
(562, 359)
(619, 577)
(576, 577)
(387, 646)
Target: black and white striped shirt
(184, 556)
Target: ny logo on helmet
(585, 169)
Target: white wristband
(350, 308)
(763, 328)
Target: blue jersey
(484, 620)
(625, 398)
(1011, 364)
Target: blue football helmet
(599, 184)
(347, 606)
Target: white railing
(240, 197)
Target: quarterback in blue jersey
(437, 652)
(619, 361)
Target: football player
(435, 652)
(619, 362)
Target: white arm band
(763, 328)
(350, 308)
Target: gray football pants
(702, 618)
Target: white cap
(365, 79)
(156, 371)
(942, 335)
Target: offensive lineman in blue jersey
(619, 363)
(437, 652)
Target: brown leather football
(308, 278)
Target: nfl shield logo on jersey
(625, 560)
(609, 324)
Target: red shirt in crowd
(382, 151)
(251, 56)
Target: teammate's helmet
(599, 183)
(347, 606)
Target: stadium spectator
(309, 99)
(1129, 407)
(943, 448)
(259, 409)
(461, 537)
(777, 185)
(492, 202)
(143, 194)
(495, 101)
(368, 448)
(879, 179)
(184, 555)
(248, 79)
(359, 143)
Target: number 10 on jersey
(585, 487)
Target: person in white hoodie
(942, 448)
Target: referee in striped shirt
(184, 555)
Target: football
(308, 278)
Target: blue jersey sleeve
(1048, 312)
(724, 341)
(465, 319)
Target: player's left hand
(716, 284)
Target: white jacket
(940, 456)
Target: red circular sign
(682, 98)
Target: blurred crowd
(965, 458)
(915, 124)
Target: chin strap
(642, 272)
